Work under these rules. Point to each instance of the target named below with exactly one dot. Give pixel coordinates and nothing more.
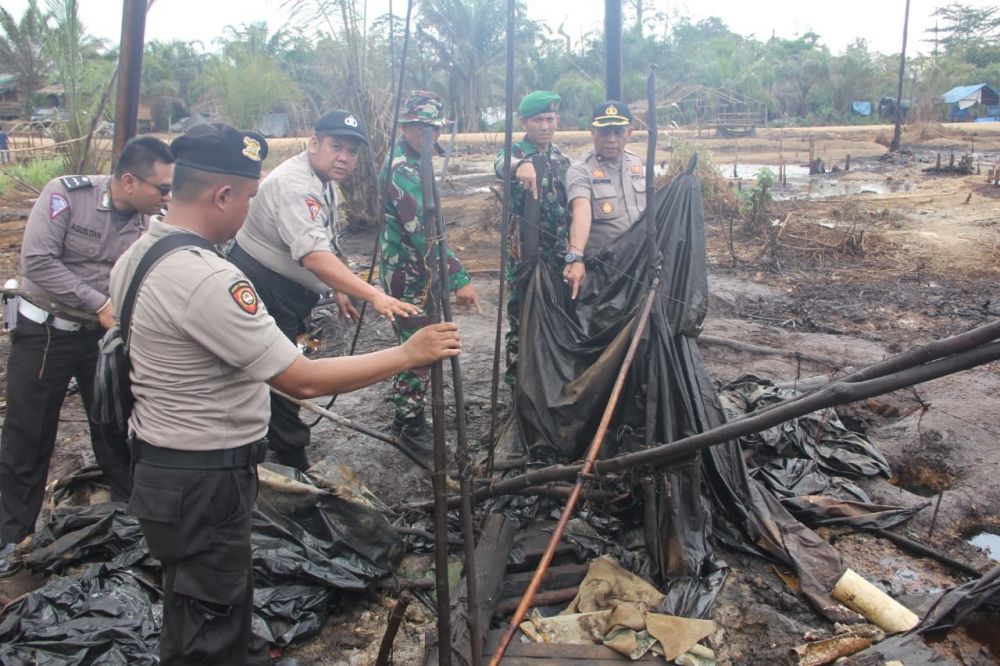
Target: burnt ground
(867, 263)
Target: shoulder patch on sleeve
(76, 182)
(57, 204)
(245, 296)
(314, 207)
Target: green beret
(539, 101)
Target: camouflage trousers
(410, 387)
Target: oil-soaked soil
(867, 263)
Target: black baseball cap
(220, 148)
(342, 123)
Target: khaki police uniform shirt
(71, 240)
(617, 193)
(294, 213)
(201, 347)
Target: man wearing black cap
(201, 347)
(288, 248)
(606, 190)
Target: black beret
(220, 148)
(342, 123)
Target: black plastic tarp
(106, 609)
(570, 353)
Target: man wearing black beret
(288, 248)
(202, 348)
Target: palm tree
(22, 51)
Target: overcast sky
(838, 22)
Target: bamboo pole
(504, 231)
(437, 292)
(595, 449)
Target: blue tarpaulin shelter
(971, 102)
(861, 108)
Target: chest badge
(57, 204)
(635, 168)
(599, 173)
(314, 207)
(245, 296)
(607, 208)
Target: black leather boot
(415, 434)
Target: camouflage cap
(539, 101)
(423, 106)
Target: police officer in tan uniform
(202, 350)
(606, 190)
(289, 249)
(76, 230)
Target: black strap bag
(112, 404)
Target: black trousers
(42, 362)
(290, 304)
(197, 524)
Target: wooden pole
(129, 73)
(435, 294)
(898, 131)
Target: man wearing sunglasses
(76, 230)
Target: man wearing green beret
(539, 115)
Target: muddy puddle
(799, 185)
(987, 539)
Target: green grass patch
(36, 173)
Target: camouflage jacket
(404, 249)
(554, 216)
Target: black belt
(240, 456)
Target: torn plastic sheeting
(819, 436)
(818, 511)
(570, 353)
(104, 616)
(298, 568)
(955, 604)
(791, 477)
(84, 534)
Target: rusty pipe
(595, 449)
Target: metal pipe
(462, 456)
(613, 48)
(129, 73)
(595, 449)
(504, 231)
(436, 291)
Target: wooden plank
(562, 597)
(556, 578)
(531, 543)
(492, 553)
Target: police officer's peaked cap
(423, 106)
(342, 123)
(220, 148)
(611, 113)
(539, 101)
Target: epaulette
(76, 182)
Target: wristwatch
(572, 257)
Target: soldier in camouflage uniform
(405, 254)
(539, 120)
